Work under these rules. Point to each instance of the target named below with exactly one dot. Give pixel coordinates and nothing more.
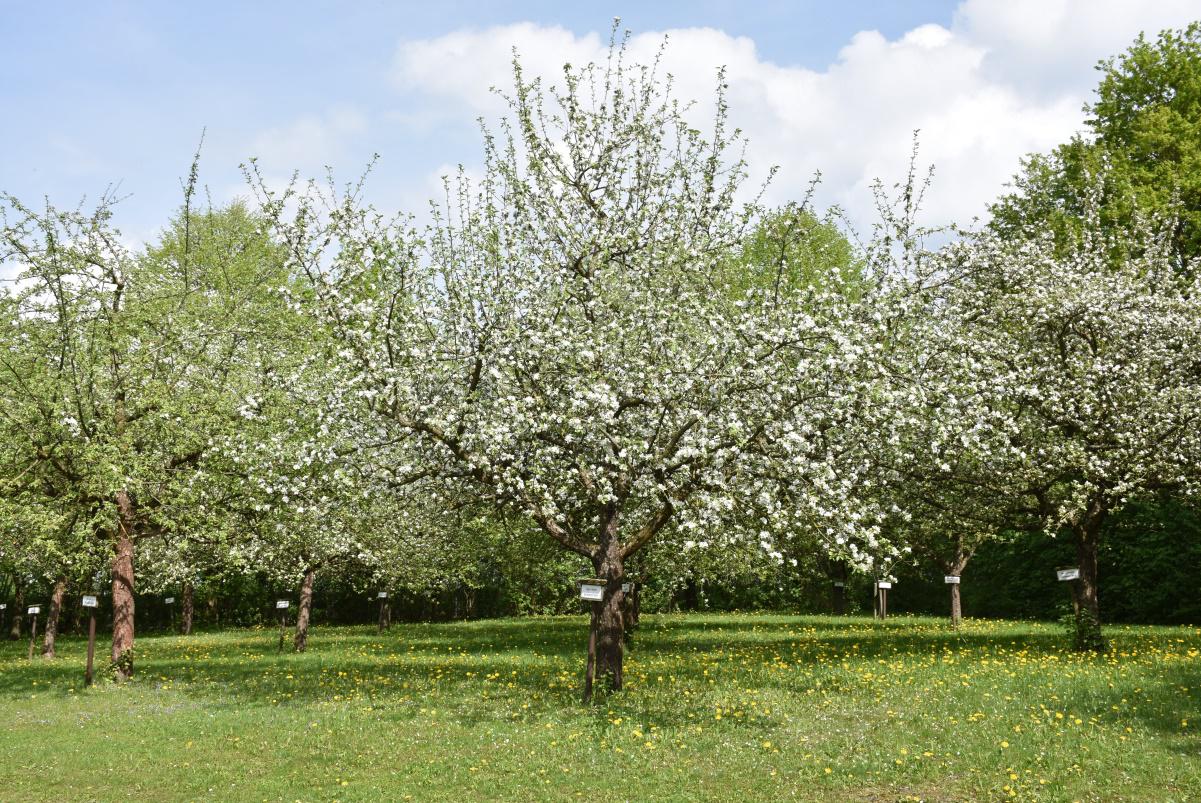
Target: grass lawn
(717, 707)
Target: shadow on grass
(493, 669)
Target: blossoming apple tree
(563, 341)
(1092, 356)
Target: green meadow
(721, 707)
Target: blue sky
(100, 94)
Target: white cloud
(310, 142)
(464, 65)
(1048, 46)
(1006, 79)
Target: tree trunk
(1088, 612)
(56, 607)
(636, 605)
(955, 569)
(189, 608)
(839, 589)
(956, 606)
(76, 626)
(608, 625)
(123, 587)
(301, 642)
(14, 629)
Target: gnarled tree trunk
(607, 630)
(1088, 611)
(303, 613)
(123, 587)
(189, 608)
(56, 607)
(955, 568)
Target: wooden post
(33, 633)
(3, 615)
(956, 604)
(87, 676)
(383, 612)
(590, 671)
(282, 607)
(90, 602)
(882, 598)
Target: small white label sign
(90, 602)
(951, 579)
(626, 588)
(591, 592)
(34, 609)
(1067, 574)
(382, 595)
(170, 600)
(3, 606)
(839, 584)
(282, 604)
(885, 585)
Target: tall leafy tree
(120, 366)
(1144, 137)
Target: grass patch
(721, 707)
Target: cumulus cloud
(312, 141)
(1006, 79)
(1048, 46)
